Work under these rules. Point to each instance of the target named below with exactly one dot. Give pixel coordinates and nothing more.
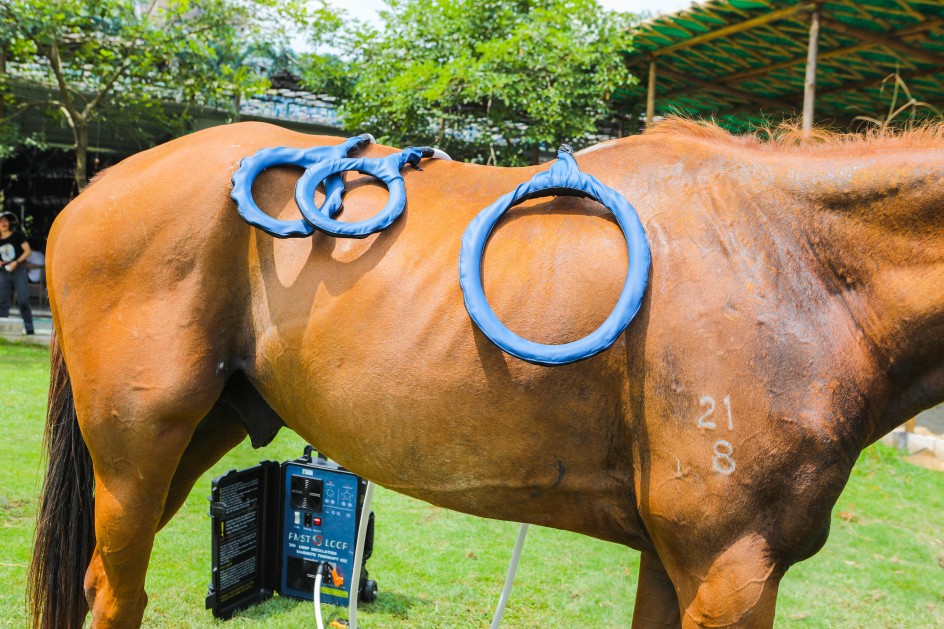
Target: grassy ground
(882, 567)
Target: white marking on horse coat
(723, 462)
(723, 450)
(707, 400)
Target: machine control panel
(321, 521)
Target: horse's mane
(789, 137)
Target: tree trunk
(81, 155)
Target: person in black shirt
(13, 253)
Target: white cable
(318, 620)
(437, 154)
(510, 577)
(359, 556)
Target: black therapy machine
(276, 525)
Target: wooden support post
(651, 96)
(809, 90)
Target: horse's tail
(65, 533)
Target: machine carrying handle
(307, 454)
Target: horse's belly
(521, 442)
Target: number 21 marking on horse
(709, 401)
(723, 450)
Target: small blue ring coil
(564, 177)
(251, 167)
(386, 169)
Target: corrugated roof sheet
(740, 59)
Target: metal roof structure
(739, 60)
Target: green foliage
(9, 139)
(103, 57)
(327, 74)
(487, 81)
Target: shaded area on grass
(883, 565)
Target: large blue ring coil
(386, 169)
(564, 177)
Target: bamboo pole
(809, 88)
(889, 40)
(651, 96)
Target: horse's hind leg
(137, 430)
(134, 511)
(657, 606)
(218, 433)
(135, 461)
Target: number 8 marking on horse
(723, 462)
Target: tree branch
(56, 62)
(22, 107)
(95, 102)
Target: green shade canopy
(742, 60)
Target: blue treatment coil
(563, 178)
(251, 167)
(386, 169)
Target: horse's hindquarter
(147, 274)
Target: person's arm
(27, 250)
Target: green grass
(882, 567)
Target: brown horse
(795, 315)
